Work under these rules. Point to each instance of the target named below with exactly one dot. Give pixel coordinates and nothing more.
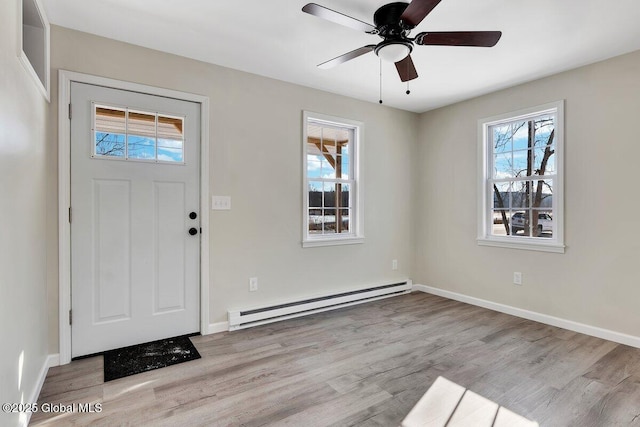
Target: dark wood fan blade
(347, 57)
(337, 17)
(406, 69)
(460, 38)
(416, 11)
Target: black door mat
(126, 361)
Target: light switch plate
(221, 203)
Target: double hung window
(521, 165)
(332, 205)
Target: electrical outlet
(517, 278)
(394, 264)
(253, 284)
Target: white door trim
(64, 193)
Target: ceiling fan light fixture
(393, 51)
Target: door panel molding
(65, 78)
(107, 194)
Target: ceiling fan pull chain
(408, 91)
(380, 101)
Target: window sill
(336, 241)
(522, 243)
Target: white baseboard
(53, 360)
(582, 328)
(50, 361)
(215, 328)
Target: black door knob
(193, 231)
(193, 215)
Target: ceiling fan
(393, 22)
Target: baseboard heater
(240, 319)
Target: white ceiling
(276, 39)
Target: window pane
(503, 166)
(340, 173)
(142, 124)
(542, 223)
(521, 194)
(170, 128)
(314, 154)
(542, 194)
(344, 220)
(544, 127)
(313, 146)
(141, 138)
(345, 148)
(329, 221)
(315, 194)
(328, 166)
(329, 194)
(140, 147)
(520, 161)
(109, 144)
(170, 139)
(314, 132)
(520, 223)
(315, 221)
(502, 195)
(167, 154)
(313, 166)
(345, 194)
(346, 171)
(501, 138)
(500, 222)
(328, 145)
(315, 186)
(544, 161)
(520, 131)
(110, 131)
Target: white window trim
(357, 236)
(485, 197)
(43, 86)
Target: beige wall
(24, 149)
(255, 146)
(595, 282)
(426, 190)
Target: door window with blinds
(123, 133)
(331, 184)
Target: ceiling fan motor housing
(387, 20)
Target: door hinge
(69, 111)
(69, 214)
(70, 317)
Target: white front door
(135, 225)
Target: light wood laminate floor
(367, 366)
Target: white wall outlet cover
(517, 278)
(221, 203)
